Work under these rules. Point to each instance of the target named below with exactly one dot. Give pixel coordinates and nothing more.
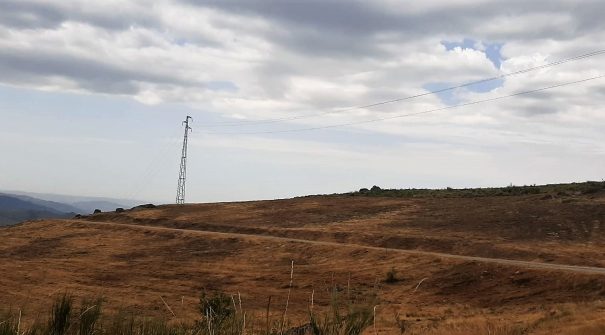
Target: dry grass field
(344, 244)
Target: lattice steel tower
(180, 191)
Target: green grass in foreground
(219, 315)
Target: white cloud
(250, 60)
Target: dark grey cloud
(305, 38)
(347, 17)
(537, 109)
(34, 14)
(334, 28)
(322, 28)
(23, 14)
(331, 27)
(93, 75)
(334, 44)
(29, 14)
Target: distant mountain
(83, 204)
(16, 206)
(57, 206)
(14, 210)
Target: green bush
(511, 190)
(216, 309)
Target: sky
(93, 94)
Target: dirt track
(497, 261)
(525, 228)
(500, 261)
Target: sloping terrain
(14, 209)
(568, 230)
(53, 205)
(337, 243)
(70, 203)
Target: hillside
(52, 205)
(14, 209)
(528, 280)
(81, 204)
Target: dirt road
(510, 262)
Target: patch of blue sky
(492, 52)
(448, 97)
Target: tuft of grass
(8, 326)
(391, 276)
(60, 317)
(343, 318)
(89, 315)
(121, 324)
(219, 315)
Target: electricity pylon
(180, 191)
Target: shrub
(391, 276)
(593, 187)
(218, 311)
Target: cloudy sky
(92, 95)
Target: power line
(155, 165)
(372, 105)
(412, 114)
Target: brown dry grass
(132, 267)
(531, 227)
